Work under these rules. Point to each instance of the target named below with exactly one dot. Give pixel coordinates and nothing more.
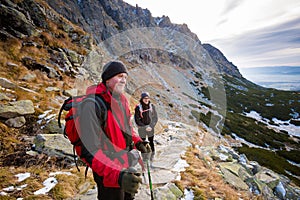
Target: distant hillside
(281, 77)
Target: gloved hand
(129, 181)
(145, 149)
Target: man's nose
(123, 79)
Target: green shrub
(271, 160)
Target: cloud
(229, 7)
(274, 45)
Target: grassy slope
(259, 99)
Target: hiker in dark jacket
(145, 117)
(105, 147)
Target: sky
(250, 33)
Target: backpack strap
(61, 109)
(103, 107)
(141, 109)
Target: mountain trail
(171, 145)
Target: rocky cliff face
(104, 19)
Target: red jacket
(94, 153)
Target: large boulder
(54, 145)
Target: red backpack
(73, 105)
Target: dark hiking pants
(106, 193)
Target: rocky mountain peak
(223, 64)
(104, 19)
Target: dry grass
(203, 177)
(8, 139)
(68, 185)
(38, 48)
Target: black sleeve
(137, 117)
(154, 117)
(90, 130)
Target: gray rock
(17, 108)
(29, 77)
(10, 85)
(32, 64)
(268, 193)
(168, 192)
(268, 177)
(52, 128)
(256, 167)
(243, 159)
(4, 97)
(54, 145)
(16, 122)
(73, 56)
(175, 190)
(234, 180)
(71, 92)
(280, 191)
(39, 143)
(10, 64)
(255, 186)
(17, 21)
(7, 84)
(52, 89)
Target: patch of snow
(158, 20)
(21, 177)
(280, 190)
(223, 157)
(286, 126)
(253, 114)
(293, 163)
(188, 195)
(282, 125)
(238, 87)
(269, 104)
(224, 149)
(295, 115)
(42, 116)
(291, 174)
(22, 187)
(242, 140)
(57, 173)
(49, 184)
(180, 165)
(50, 117)
(9, 189)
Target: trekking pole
(150, 181)
(149, 175)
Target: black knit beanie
(145, 94)
(111, 69)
